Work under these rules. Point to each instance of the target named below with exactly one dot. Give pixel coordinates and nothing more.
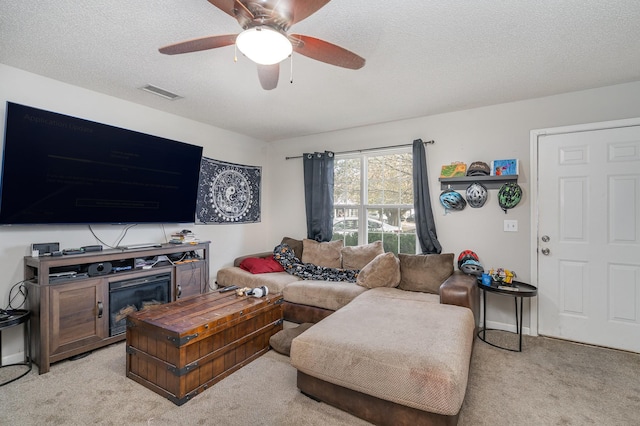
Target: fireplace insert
(133, 295)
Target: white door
(588, 236)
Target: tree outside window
(373, 200)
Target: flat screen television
(58, 169)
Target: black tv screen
(58, 169)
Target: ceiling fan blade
(304, 8)
(323, 51)
(227, 6)
(196, 44)
(268, 75)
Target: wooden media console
(70, 299)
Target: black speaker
(96, 269)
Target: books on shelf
(183, 237)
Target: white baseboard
(14, 358)
(506, 327)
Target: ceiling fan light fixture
(264, 45)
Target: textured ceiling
(423, 57)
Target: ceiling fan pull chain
(291, 62)
(235, 53)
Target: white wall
(485, 134)
(228, 241)
(500, 131)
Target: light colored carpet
(550, 383)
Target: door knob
(546, 251)
(545, 238)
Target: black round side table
(12, 318)
(516, 290)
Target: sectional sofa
(393, 346)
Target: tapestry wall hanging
(228, 193)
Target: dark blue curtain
(318, 194)
(425, 225)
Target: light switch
(510, 226)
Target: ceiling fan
(266, 24)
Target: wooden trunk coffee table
(179, 349)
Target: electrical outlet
(510, 226)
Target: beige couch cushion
(233, 275)
(322, 254)
(382, 271)
(392, 293)
(424, 272)
(331, 295)
(357, 257)
(408, 351)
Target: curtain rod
(369, 149)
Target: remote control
(230, 288)
(73, 251)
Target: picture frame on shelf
(455, 169)
(504, 167)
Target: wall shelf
(491, 182)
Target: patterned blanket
(284, 255)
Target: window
(373, 200)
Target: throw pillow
(296, 246)
(261, 265)
(322, 254)
(382, 271)
(425, 272)
(357, 257)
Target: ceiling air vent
(160, 92)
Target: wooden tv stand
(70, 314)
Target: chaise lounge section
(389, 357)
